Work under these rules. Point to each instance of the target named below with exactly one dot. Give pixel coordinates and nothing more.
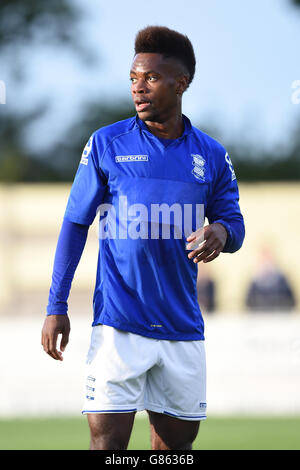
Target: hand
(53, 326)
(209, 241)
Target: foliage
(24, 25)
(65, 155)
(61, 160)
(21, 22)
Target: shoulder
(210, 144)
(105, 135)
(217, 155)
(101, 138)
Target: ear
(182, 84)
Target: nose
(139, 86)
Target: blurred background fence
(31, 216)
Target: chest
(155, 174)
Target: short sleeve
(88, 187)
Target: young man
(147, 345)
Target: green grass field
(215, 433)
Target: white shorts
(127, 372)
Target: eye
(132, 79)
(152, 78)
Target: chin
(144, 116)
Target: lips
(142, 105)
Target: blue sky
(247, 59)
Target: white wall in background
(253, 365)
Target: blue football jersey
(150, 194)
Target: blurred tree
(27, 24)
(268, 168)
(251, 165)
(24, 27)
(24, 24)
(65, 155)
(15, 163)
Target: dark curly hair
(169, 43)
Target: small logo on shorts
(89, 388)
(202, 405)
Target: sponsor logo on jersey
(131, 158)
(199, 166)
(86, 151)
(227, 158)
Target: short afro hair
(169, 43)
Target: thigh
(116, 369)
(110, 431)
(169, 433)
(176, 386)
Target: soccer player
(147, 342)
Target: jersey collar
(187, 127)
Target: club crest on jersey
(86, 151)
(199, 166)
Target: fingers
(54, 326)
(53, 352)
(64, 341)
(204, 249)
(211, 257)
(206, 243)
(195, 239)
(49, 345)
(208, 252)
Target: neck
(172, 128)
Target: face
(156, 86)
